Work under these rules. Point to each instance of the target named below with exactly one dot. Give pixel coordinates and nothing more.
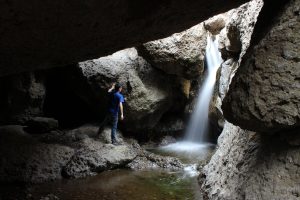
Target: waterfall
(197, 126)
(194, 146)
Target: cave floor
(118, 184)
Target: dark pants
(114, 127)
(112, 120)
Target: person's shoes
(116, 143)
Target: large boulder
(22, 97)
(46, 34)
(147, 92)
(181, 54)
(225, 174)
(249, 165)
(95, 156)
(25, 159)
(264, 94)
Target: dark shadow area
(63, 104)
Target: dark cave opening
(63, 104)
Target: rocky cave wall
(263, 97)
(42, 133)
(38, 35)
(43, 136)
(161, 80)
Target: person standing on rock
(116, 101)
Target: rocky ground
(71, 154)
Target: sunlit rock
(147, 91)
(181, 54)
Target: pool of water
(125, 185)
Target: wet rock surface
(264, 94)
(147, 160)
(94, 156)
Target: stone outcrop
(264, 94)
(95, 156)
(181, 54)
(22, 97)
(25, 159)
(56, 34)
(147, 95)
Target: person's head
(118, 87)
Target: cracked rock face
(264, 94)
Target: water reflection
(125, 185)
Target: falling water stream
(195, 141)
(197, 127)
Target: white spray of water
(194, 147)
(197, 127)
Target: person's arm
(112, 88)
(121, 110)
